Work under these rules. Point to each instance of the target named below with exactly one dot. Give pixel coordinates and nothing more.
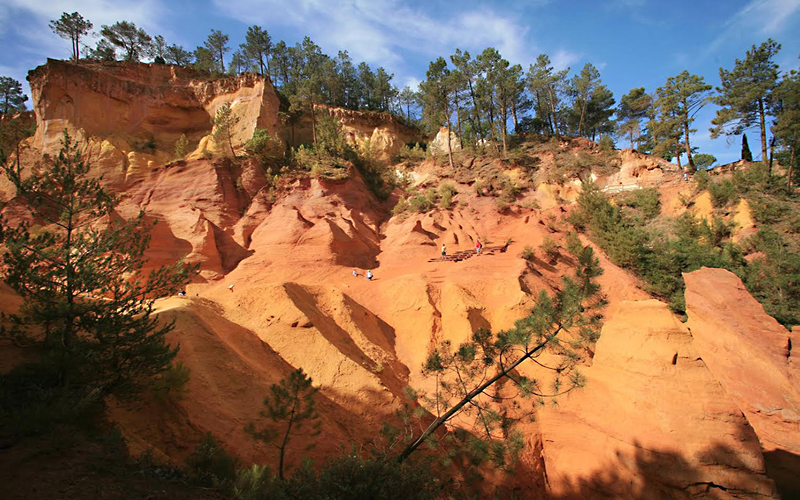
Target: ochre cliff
(670, 410)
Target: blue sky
(633, 42)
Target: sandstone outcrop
(750, 355)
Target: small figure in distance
(355, 273)
(230, 288)
(369, 275)
(444, 250)
(478, 247)
(685, 176)
(182, 293)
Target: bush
(549, 248)
(723, 193)
(606, 143)
(414, 154)
(269, 150)
(446, 193)
(181, 147)
(423, 202)
(574, 245)
(172, 382)
(210, 465)
(647, 202)
(528, 253)
(701, 178)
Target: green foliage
(209, 464)
(346, 477)
(446, 193)
(702, 179)
(224, 122)
(125, 36)
(723, 193)
(87, 304)
(413, 154)
(172, 382)
(574, 245)
(549, 248)
(562, 325)
(703, 160)
(528, 253)
(268, 150)
(606, 143)
(423, 201)
(181, 147)
(12, 100)
(657, 256)
(745, 94)
(646, 202)
(290, 404)
(72, 27)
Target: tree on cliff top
(682, 97)
(480, 376)
(133, 41)
(257, 47)
(745, 96)
(217, 44)
(72, 27)
(78, 267)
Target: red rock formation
(750, 354)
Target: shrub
(415, 154)
(269, 150)
(172, 382)
(701, 178)
(647, 202)
(181, 147)
(209, 464)
(528, 253)
(549, 248)
(606, 143)
(574, 245)
(446, 193)
(722, 192)
(423, 202)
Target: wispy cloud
(765, 17)
(40, 40)
(384, 32)
(563, 59)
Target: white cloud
(40, 40)
(765, 17)
(563, 59)
(379, 31)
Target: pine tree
(290, 403)
(72, 27)
(469, 378)
(746, 154)
(135, 42)
(257, 47)
(435, 94)
(745, 97)
(87, 302)
(787, 125)
(682, 97)
(217, 45)
(632, 109)
(224, 121)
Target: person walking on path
(369, 275)
(478, 247)
(355, 273)
(444, 250)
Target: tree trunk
(477, 109)
(791, 159)
(763, 130)
(466, 399)
(514, 115)
(222, 60)
(583, 113)
(688, 148)
(553, 110)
